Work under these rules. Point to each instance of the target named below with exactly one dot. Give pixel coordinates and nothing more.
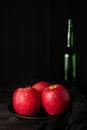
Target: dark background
(33, 38)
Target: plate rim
(10, 106)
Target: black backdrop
(33, 37)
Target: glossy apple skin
(40, 86)
(55, 99)
(26, 101)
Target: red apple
(55, 99)
(26, 101)
(41, 85)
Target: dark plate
(42, 115)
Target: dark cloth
(75, 118)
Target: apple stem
(52, 86)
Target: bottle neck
(70, 34)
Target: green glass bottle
(70, 58)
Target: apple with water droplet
(26, 101)
(55, 99)
(41, 85)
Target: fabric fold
(75, 118)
